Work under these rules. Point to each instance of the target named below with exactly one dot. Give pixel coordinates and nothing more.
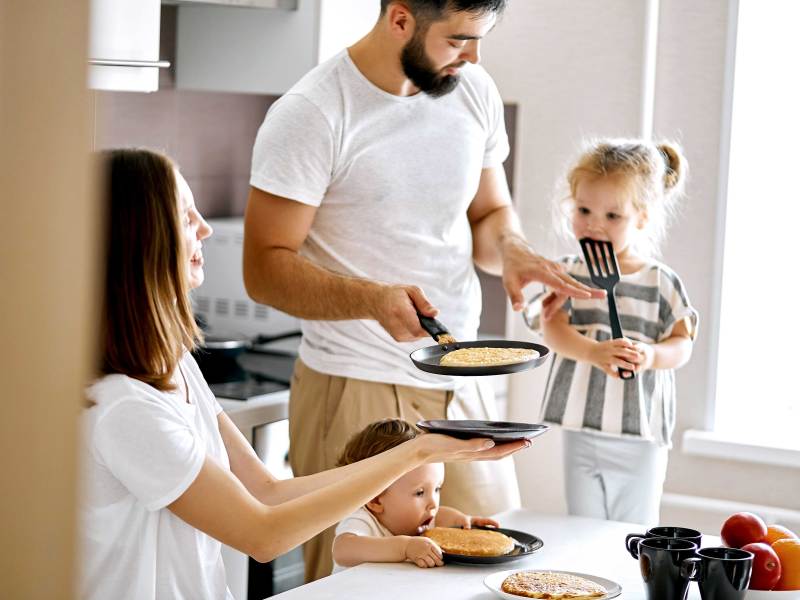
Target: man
(377, 182)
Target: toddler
(617, 432)
(388, 527)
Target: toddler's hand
(453, 518)
(612, 355)
(424, 552)
(483, 522)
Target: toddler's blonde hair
(375, 438)
(653, 172)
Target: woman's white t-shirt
(143, 448)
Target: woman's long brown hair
(147, 316)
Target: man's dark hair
(434, 10)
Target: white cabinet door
(123, 45)
(264, 51)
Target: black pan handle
(434, 328)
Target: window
(758, 369)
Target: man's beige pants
(326, 411)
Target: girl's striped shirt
(579, 396)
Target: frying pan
(427, 359)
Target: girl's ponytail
(675, 167)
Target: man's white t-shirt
(361, 522)
(392, 178)
(143, 448)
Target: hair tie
(667, 162)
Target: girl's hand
(423, 552)
(612, 355)
(436, 447)
(483, 522)
(647, 355)
(551, 304)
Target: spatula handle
(616, 330)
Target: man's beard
(418, 68)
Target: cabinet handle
(110, 62)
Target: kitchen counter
(570, 544)
(247, 415)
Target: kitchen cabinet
(124, 45)
(262, 50)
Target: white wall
(343, 23)
(575, 70)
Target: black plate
(428, 358)
(499, 431)
(525, 544)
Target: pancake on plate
(486, 357)
(552, 585)
(471, 542)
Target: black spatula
(604, 271)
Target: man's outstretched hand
(521, 266)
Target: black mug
(677, 533)
(660, 561)
(722, 573)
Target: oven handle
(268, 339)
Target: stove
(253, 373)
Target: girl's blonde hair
(653, 172)
(147, 321)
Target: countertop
(262, 410)
(570, 544)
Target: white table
(570, 544)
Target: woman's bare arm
(219, 502)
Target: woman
(169, 477)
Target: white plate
(764, 595)
(495, 580)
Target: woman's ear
(375, 505)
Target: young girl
(388, 527)
(617, 432)
(168, 476)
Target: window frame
(709, 442)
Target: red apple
(766, 566)
(743, 528)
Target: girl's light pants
(614, 478)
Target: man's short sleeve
(151, 450)
(497, 147)
(293, 153)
